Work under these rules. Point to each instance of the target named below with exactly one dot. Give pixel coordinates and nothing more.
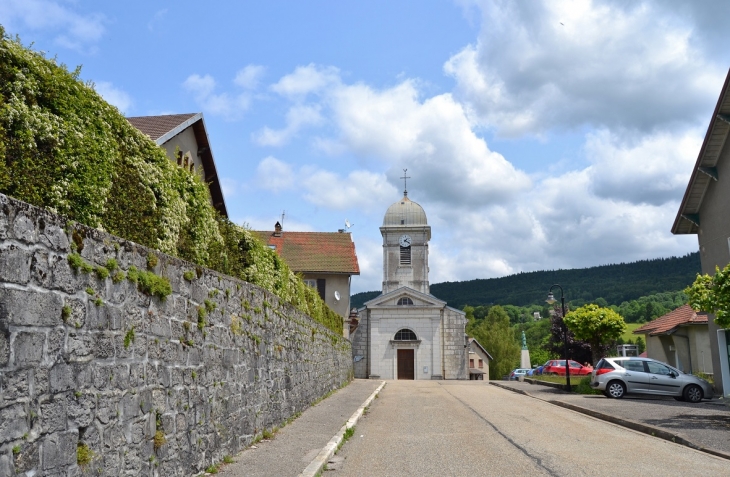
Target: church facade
(407, 333)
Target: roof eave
(689, 226)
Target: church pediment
(405, 296)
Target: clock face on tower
(405, 241)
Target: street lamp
(550, 300)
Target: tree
(495, 334)
(640, 344)
(712, 295)
(599, 327)
(577, 350)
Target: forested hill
(614, 283)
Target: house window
(471, 363)
(310, 283)
(405, 335)
(272, 247)
(405, 301)
(405, 255)
(481, 364)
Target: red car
(557, 367)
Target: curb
(633, 425)
(328, 450)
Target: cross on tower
(405, 182)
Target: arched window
(405, 335)
(405, 301)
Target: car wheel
(692, 393)
(616, 389)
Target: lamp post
(550, 300)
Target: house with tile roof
(704, 212)
(479, 359)
(186, 142)
(326, 260)
(680, 338)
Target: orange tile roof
(330, 252)
(684, 315)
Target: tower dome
(405, 212)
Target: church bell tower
(405, 234)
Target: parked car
(538, 370)
(516, 373)
(557, 367)
(616, 377)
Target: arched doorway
(406, 356)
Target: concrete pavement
(295, 446)
(705, 425)
(470, 428)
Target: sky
(537, 135)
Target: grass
(579, 384)
(628, 335)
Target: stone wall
(93, 370)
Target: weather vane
(405, 182)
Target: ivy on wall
(64, 148)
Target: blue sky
(537, 135)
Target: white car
(616, 377)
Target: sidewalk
(297, 444)
(704, 426)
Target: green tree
(599, 327)
(495, 334)
(711, 294)
(640, 343)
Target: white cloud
(203, 90)
(157, 18)
(362, 190)
(114, 96)
(655, 170)
(249, 76)
(274, 175)
(297, 117)
(307, 79)
(72, 30)
(634, 65)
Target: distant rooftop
(327, 252)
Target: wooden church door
(405, 364)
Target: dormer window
(405, 301)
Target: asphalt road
(454, 428)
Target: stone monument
(525, 358)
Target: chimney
(277, 230)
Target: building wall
(188, 145)
(92, 361)
(455, 349)
(395, 275)
(713, 237)
(360, 345)
(655, 350)
(385, 323)
(476, 354)
(335, 282)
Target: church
(407, 333)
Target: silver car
(619, 376)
